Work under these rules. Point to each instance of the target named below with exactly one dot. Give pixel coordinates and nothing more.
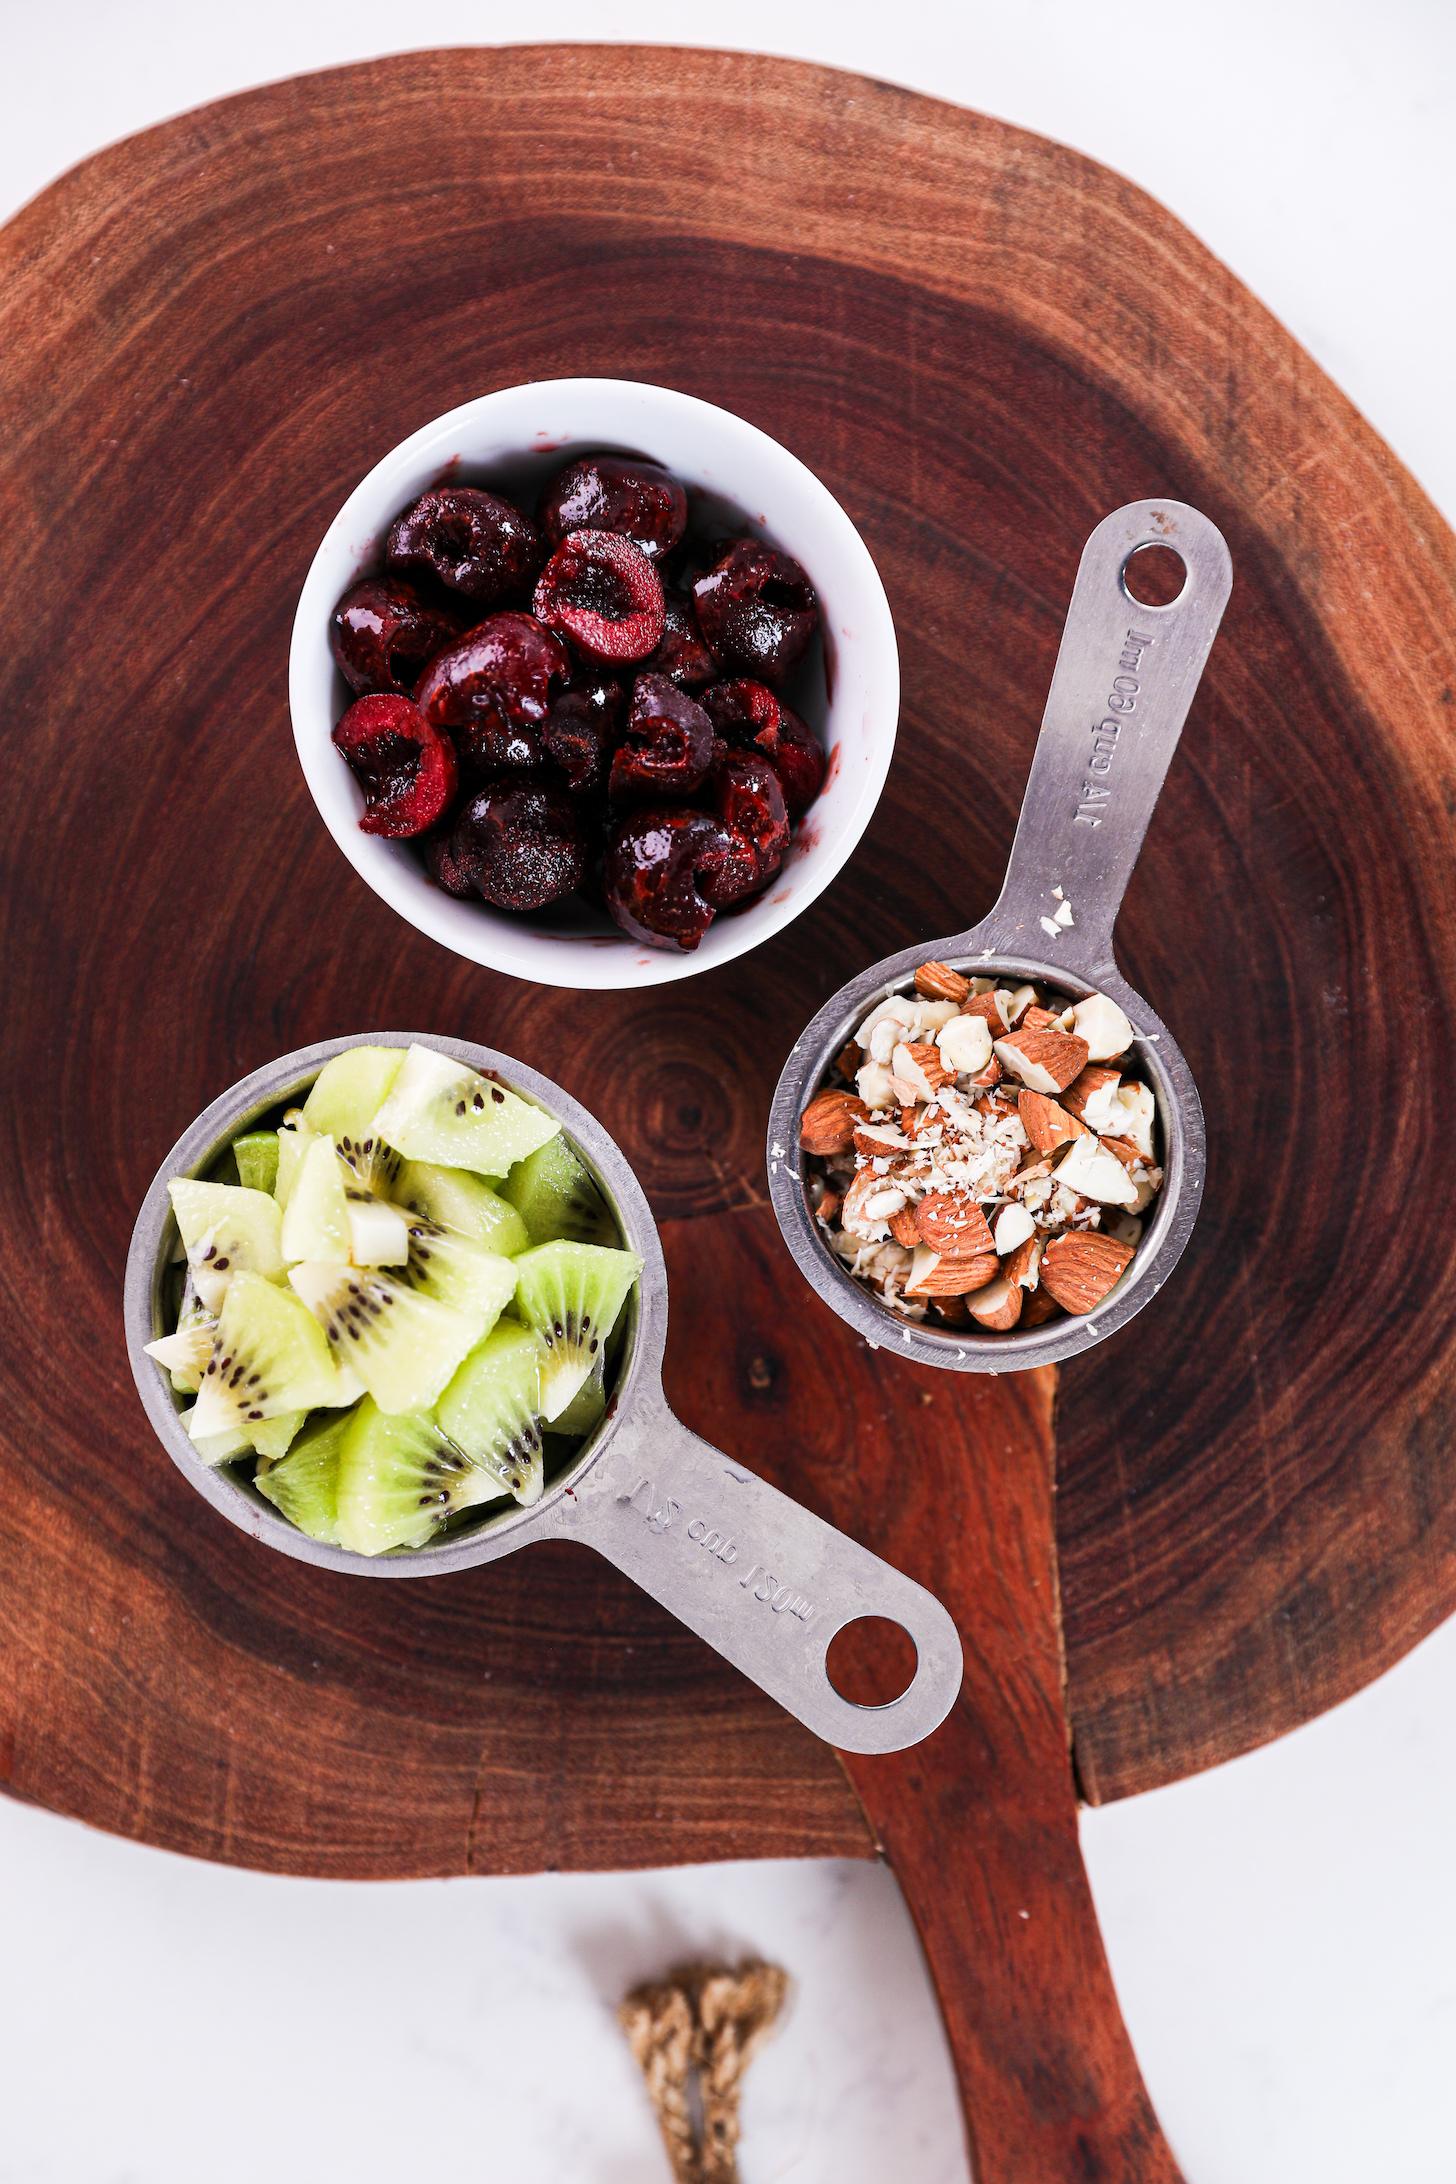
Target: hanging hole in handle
(871, 1661)
(1154, 576)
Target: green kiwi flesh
(269, 1355)
(400, 1477)
(304, 1485)
(397, 1301)
(492, 1410)
(224, 1227)
(404, 1346)
(463, 1202)
(346, 1096)
(571, 1294)
(438, 1110)
(557, 1198)
(256, 1154)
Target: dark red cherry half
(747, 798)
(405, 767)
(602, 592)
(582, 729)
(493, 688)
(748, 712)
(523, 845)
(472, 541)
(757, 610)
(667, 747)
(383, 635)
(654, 864)
(682, 653)
(627, 494)
(448, 869)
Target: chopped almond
(827, 1124)
(984, 1004)
(1047, 1124)
(931, 1275)
(1081, 1266)
(1047, 1061)
(997, 1306)
(938, 982)
(952, 1223)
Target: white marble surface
(1283, 1930)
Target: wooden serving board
(982, 342)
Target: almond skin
(1080, 1267)
(989, 1076)
(926, 1059)
(1057, 1055)
(1124, 1148)
(984, 1004)
(827, 1123)
(953, 1224)
(1024, 1260)
(938, 982)
(903, 1228)
(951, 1277)
(1038, 1308)
(1036, 1019)
(997, 1306)
(1082, 1087)
(1046, 1123)
(849, 1060)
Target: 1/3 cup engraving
(1122, 698)
(660, 1512)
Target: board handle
(766, 1583)
(1124, 680)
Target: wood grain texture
(981, 342)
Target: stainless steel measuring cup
(1123, 683)
(767, 1584)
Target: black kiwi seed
(221, 1267)
(497, 1095)
(478, 1103)
(460, 1107)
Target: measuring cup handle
(1124, 680)
(762, 1580)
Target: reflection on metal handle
(762, 1580)
(1124, 680)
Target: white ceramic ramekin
(513, 439)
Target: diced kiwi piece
(463, 1202)
(269, 1356)
(458, 1272)
(492, 1409)
(378, 1233)
(438, 1110)
(294, 1140)
(216, 1448)
(304, 1485)
(400, 1477)
(185, 1353)
(224, 1227)
(571, 1294)
(583, 1413)
(256, 1153)
(403, 1346)
(347, 1094)
(316, 1219)
(275, 1436)
(556, 1196)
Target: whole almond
(933, 1276)
(1046, 1123)
(1046, 1060)
(952, 1223)
(938, 982)
(984, 1004)
(1080, 1267)
(827, 1123)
